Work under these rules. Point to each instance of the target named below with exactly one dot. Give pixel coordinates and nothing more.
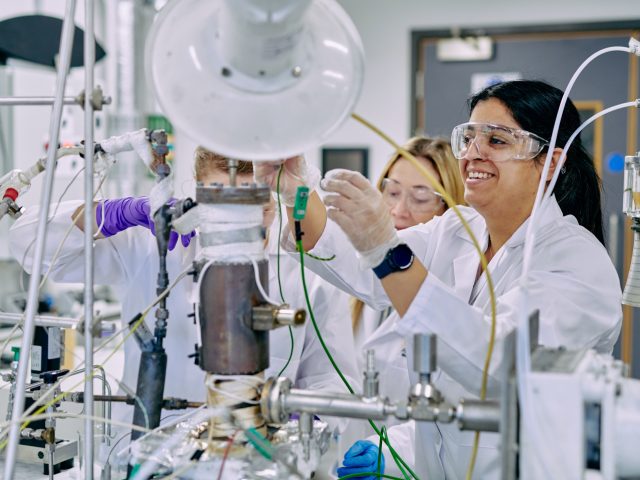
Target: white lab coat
(572, 282)
(128, 262)
(393, 375)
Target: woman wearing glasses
(411, 201)
(431, 274)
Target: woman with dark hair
(431, 273)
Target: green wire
(260, 443)
(322, 259)
(291, 340)
(397, 459)
(383, 433)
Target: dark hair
(534, 105)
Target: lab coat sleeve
(574, 286)
(402, 439)
(113, 257)
(344, 271)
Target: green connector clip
(16, 353)
(300, 207)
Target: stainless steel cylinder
(230, 346)
(478, 415)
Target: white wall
(385, 27)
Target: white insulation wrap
(136, 141)
(225, 218)
(161, 193)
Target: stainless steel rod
(41, 320)
(30, 101)
(297, 401)
(66, 42)
(89, 64)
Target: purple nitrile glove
(122, 213)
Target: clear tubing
(530, 236)
(89, 64)
(523, 353)
(66, 40)
(586, 123)
(148, 467)
(256, 272)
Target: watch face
(402, 256)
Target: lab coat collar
(550, 212)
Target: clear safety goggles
(496, 142)
(418, 199)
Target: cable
(132, 329)
(291, 339)
(483, 262)
(523, 354)
(125, 435)
(586, 123)
(54, 259)
(256, 272)
(226, 453)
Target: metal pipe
(66, 42)
(337, 404)
(478, 415)
(41, 320)
(89, 64)
(31, 101)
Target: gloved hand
(359, 209)
(122, 213)
(296, 172)
(362, 457)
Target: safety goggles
(496, 142)
(418, 199)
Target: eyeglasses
(419, 199)
(497, 142)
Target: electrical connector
(300, 207)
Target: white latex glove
(296, 172)
(358, 208)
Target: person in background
(411, 201)
(126, 259)
(431, 273)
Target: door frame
(420, 39)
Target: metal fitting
(371, 386)
(269, 317)
(478, 415)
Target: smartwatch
(397, 259)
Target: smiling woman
(441, 291)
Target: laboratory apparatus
(246, 106)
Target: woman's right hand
(296, 172)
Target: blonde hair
(438, 152)
(205, 162)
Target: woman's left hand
(359, 209)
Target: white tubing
(523, 356)
(586, 123)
